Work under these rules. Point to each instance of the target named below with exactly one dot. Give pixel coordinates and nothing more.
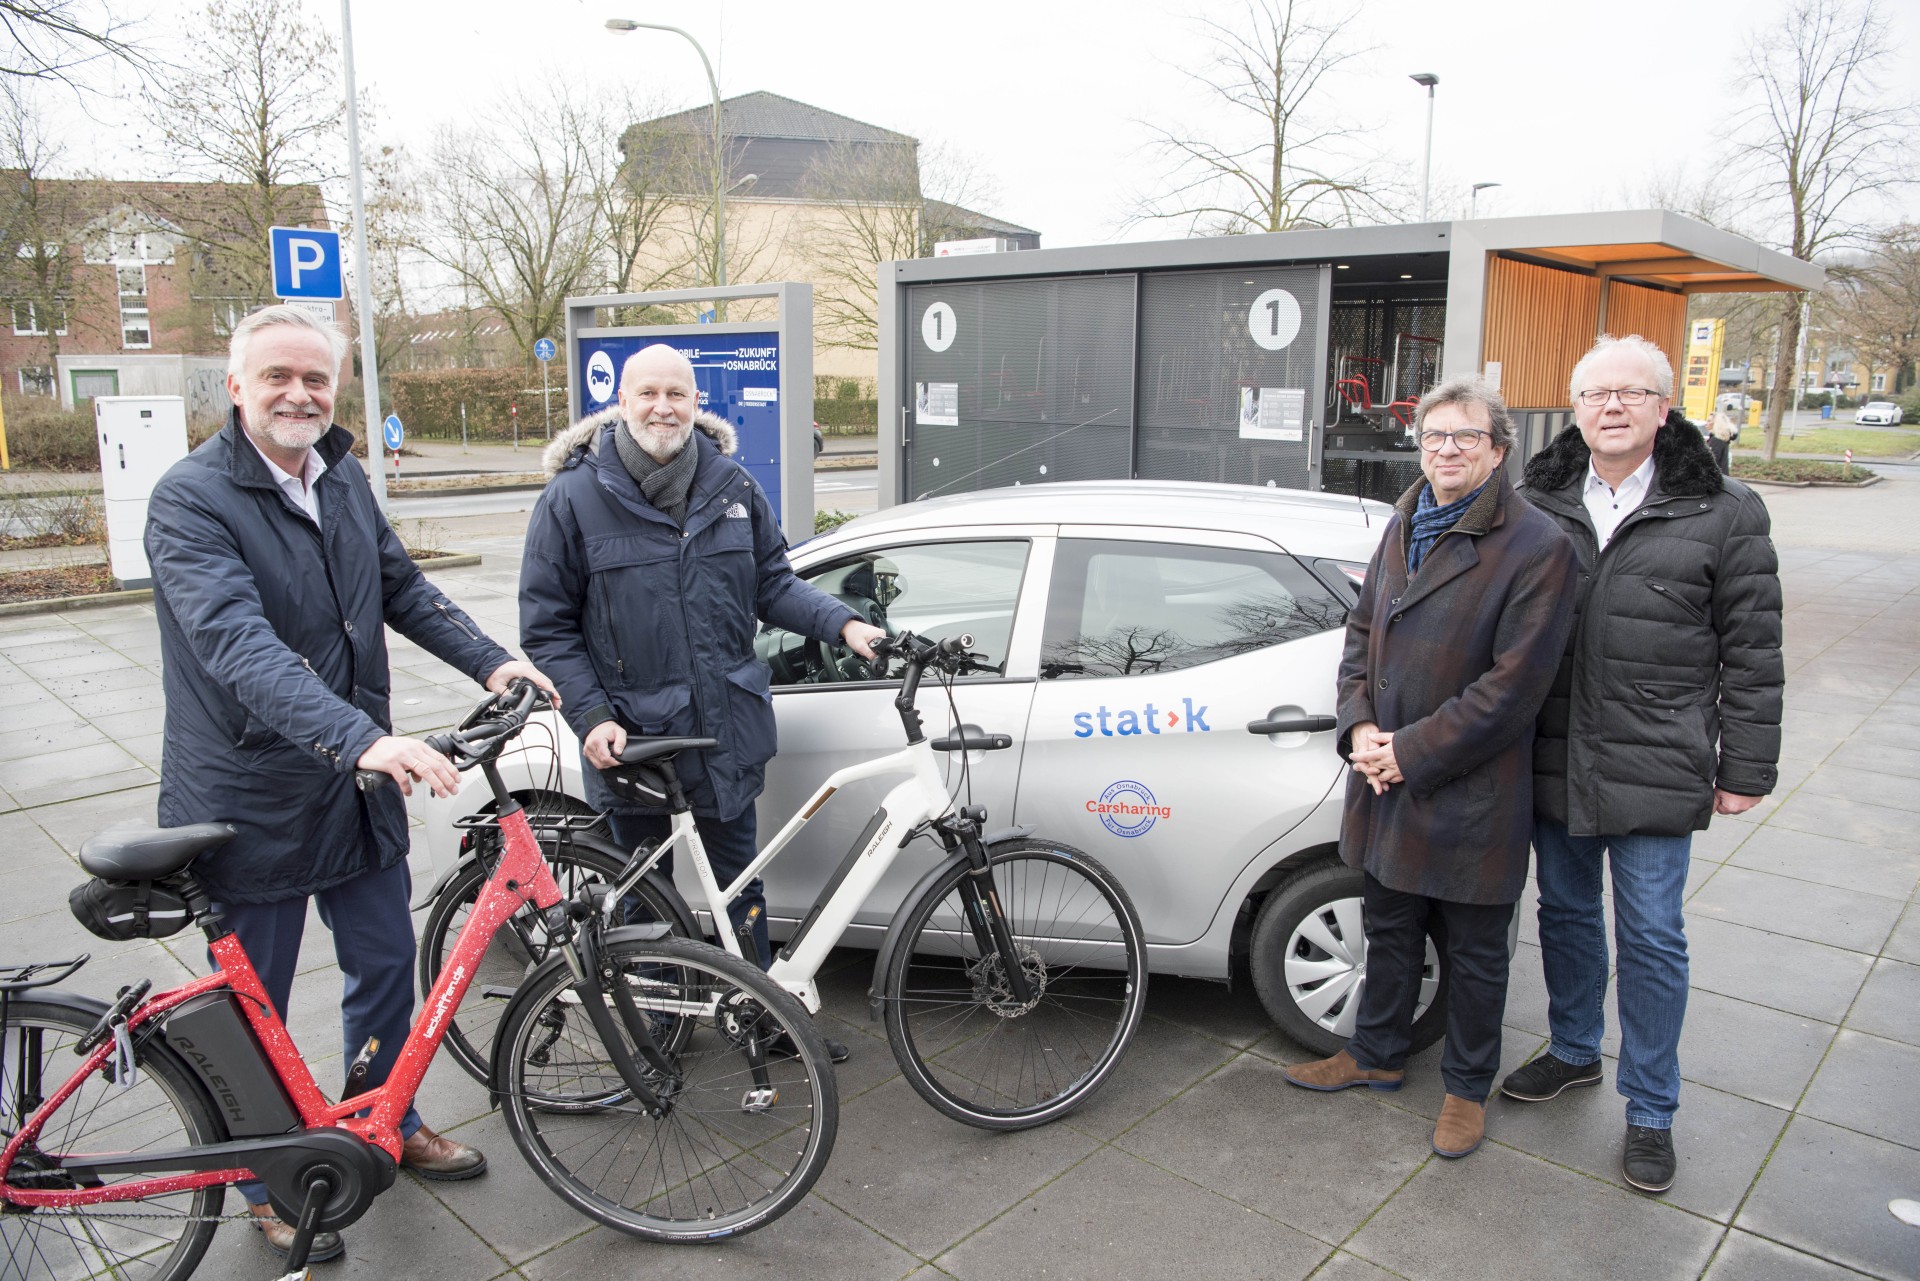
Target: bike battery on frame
(213, 1036)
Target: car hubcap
(1326, 967)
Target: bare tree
(873, 203)
(1877, 310)
(1822, 142)
(256, 109)
(53, 39)
(1303, 165)
(41, 221)
(641, 175)
(509, 210)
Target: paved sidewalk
(1799, 1122)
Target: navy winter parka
(273, 638)
(640, 621)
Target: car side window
(1131, 609)
(930, 589)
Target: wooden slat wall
(1654, 314)
(1539, 322)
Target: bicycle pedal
(493, 991)
(304, 1274)
(759, 1099)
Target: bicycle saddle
(646, 749)
(149, 853)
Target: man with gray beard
(651, 559)
(275, 576)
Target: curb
(1810, 484)
(141, 595)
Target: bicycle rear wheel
(732, 1153)
(158, 1238)
(964, 1042)
(521, 943)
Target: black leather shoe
(783, 1044)
(1648, 1161)
(1546, 1077)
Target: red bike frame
(521, 877)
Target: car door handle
(1297, 725)
(971, 738)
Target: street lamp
(363, 271)
(1473, 200)
(1428, 79)
(719, 159)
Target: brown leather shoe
(435, 1156)
(1341, 1073)
(279, 1235)
(1461, 1127)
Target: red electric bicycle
(659, 1085)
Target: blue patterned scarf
(1430, 521)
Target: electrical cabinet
(140, 437)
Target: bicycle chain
(61, 1212)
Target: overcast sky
(1569, 107)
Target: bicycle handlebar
(482, 736)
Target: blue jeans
(1649, 878)
(372, 927)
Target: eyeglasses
(1598, 396)
(1467, 438)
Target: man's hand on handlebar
(604, 743)
(521, 669)
(859, 637)
(408, 761)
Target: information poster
(1273, 413)
(1702, 378)
(936, 404)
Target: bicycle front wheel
(522, 943)
(966, 1043)
(158, 1238)
(735, 1147)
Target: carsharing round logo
(600, 377)
(1128, 809)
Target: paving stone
(76, 767)
(1163, 1060)
(1873, 788)
(1720, 840)
(1342, 1266)
(1720, 1140)
(74, 660)
(1772, 969)
(1825, 1191)
(1904, 944)
(1745, 1257)
(39, 872)
(1751, 1050)
(1488, 1215)
(1828, 860)
(1230, 1014)
(926, 1181)
(1246, 1134)
(516, 1213)
(405, 1233)
(812, 1239)
(1867, 1084)
(55, 730)
(1889, 1005)
(1114, 1206)
(1818, 913)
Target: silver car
(1129, 634)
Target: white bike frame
(919, 797)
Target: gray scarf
(665, 485)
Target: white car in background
(1878, 413)
(1130, 631)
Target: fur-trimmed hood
(577, 441)
(1683, 465)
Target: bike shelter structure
(758, 375)
(1291, 359)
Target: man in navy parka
(651, 559)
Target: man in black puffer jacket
(1665, 711)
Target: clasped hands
(1373, 758)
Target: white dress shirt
(299, 488)
(1607, 506)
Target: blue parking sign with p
(306, 262)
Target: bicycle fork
(981, 901)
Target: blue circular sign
(1128, 809)
(393, 431)
(544, 349)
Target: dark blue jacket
(276, 677)
(639, 621)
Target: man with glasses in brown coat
(1450, 651)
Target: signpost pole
(369, 366)
(546, 398)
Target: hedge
(429, 400)
(42, 435)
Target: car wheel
(1309, 960)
